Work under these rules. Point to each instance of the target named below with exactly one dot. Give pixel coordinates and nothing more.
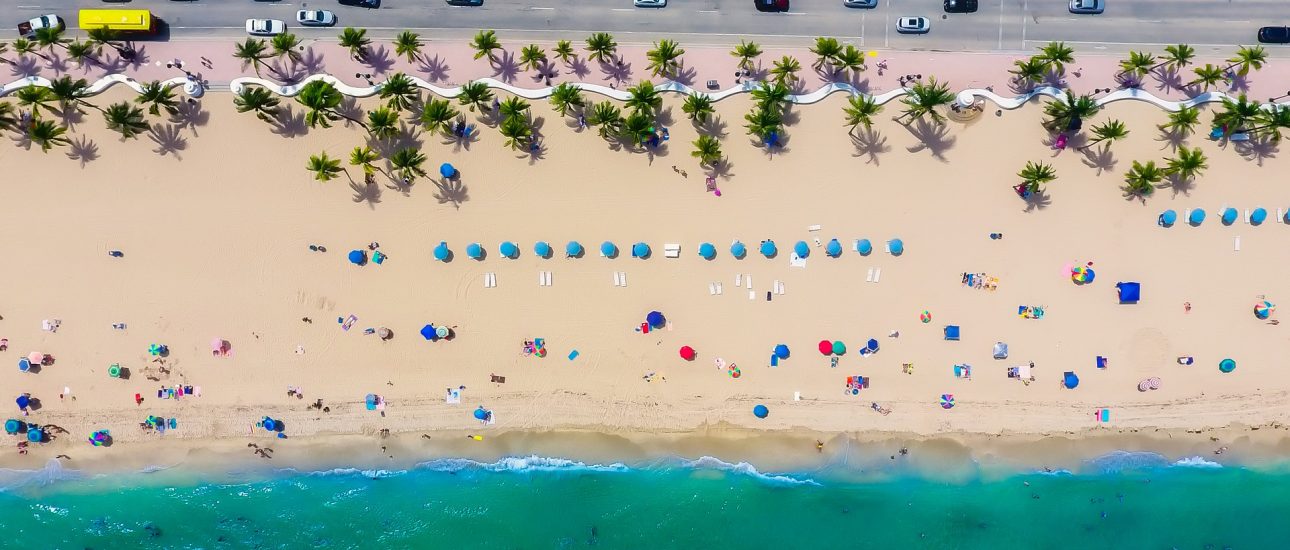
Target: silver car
(265, 27)
(860, 3)
(913, 25)
(650, 3)
(315, 18)
(1088, 6)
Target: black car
(960, 6)
(465, 2)
(361, 3)
(771, 5)
(1274, 35)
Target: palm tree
(513, 107)
(158, 96)
(746, 52)
(324, 167)
(125, 119)
(475, 94)
(258, 100)
(47, 134)
(1275, 119)
(1237, 115)
(602, 46)
(8, 117)
(1248, 58)
(826, 50)
(1036, 174)
(566, 96)
(50, 38)
(663, 59)
(364, 157)
(407, 163)
(563, 51)
(80, 52)
(785, 70)
(108, 37)
(438, 115)
(285, 44)
(698, 107)
(636, 128)
(1138, 64)
(1064, 114)
(923, 99)
(761, 123)
(606, 116)
(36, 98)
(1057, 55)
(771, 96)
(1176, 57)
(1141, 179)
(517, 132)
(251, 52)
(484, 44)
(4, 47)
(72, 92)
(400, 93)
(850, 59)
(532, 56)
(408, 44)
(1107, 132)
(322, 101)
(383, 123)
(22, 46)
(1182, 121)
(1029, 71)
(356, 41)
(1208, 75)
(1187, 165)
(860, 110)
(708, 150)
(644, 98)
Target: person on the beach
(819, 446)
(1186, 307)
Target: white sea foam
(52, 472)
(532, 463)
(743, 468)
(356, 472)
(1196, 462)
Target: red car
(771, 5)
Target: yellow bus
(127, 21)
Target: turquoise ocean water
(1123, 500)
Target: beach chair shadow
(869, 144)
(169, 139)
(932, 137)
(452, 192)
(435, 68)
(289, 123)
(83, 149)
(1257, 149)
(1100, 158)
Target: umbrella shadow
(869, 144)
(435, 68)
(1038, 200)
(82, 149)
(378, 60)
(289, 123)
(169, 139)
(1257, 149)
(932, 137)
(1100, 158)
(452, 191)
(506, 68)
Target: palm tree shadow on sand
(367, 191)
(463, 141)
(83, 149)
(1257, 149)
(451, 191)
(1178, 185)
(169, 139)
(289, 123)
(714, 126)
(869, 144)
(932, 137)
(1172, 139)
(1038, 200)
(189, 115)
(1099, 158)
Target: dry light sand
(215, 228)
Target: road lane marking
(623, 9)
(535, 8)
(709, 11)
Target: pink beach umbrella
(36, 358)
(219, 346)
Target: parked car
(27, 29)
(960, 6)
(373, 4)
(1088, 6)
(465, 2)
(1274, 35)
(315, 18)
(860, 3)
(650, 3)
(913, 25)
(265, 27)
(771, 5)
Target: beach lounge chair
(1000, 350)
(951, 332)
(963, 371)
(672, 250)
(1101, 362)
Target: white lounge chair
(672, 250)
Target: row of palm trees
(40, 109)
(1140, 180)
(1053, 57)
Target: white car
(913, 25)
(265, 27)
(860, 3)
(315, 18)
(1088, 6)
(650, 3)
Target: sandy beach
(215, 220)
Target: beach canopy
(542, 249)
(738, 250)
(573, 249)
(357, 257)
(1259, 216)
(768, 248)
(801, 249)
(1129, 292)
(1229, 216)
(428, 332)
(447, 170)
(951, 332)
(864, 247)
(1070, 380)
(1264, 309)
(1168, 218)
(871, 345)
(655, 319)
(640, 250)
(826, 347)
(1226, 365)
(370, 401)
(1197, 216)
(707, 251)
(608, 249)
(833, 249)
(24, 365)
(508, 249)
(781, 351)
(441, 251)
(896, 247)
(23, 401)
(688, 353)
(839, 348)
(760, 411)
(474, 251)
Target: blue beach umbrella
(13, 426)
(1259, 216)
(35, 435)
(738, 250)
(864, 247)
(1197, 216)
(1229, 216)
(573, 249)
(441, 251)
(640, 250)
(1227, 365)
(448, 171)
(474, 251)
(801, 249)
(428, 332)
(608, 249)
(655, 319)
(1168, 218)
(707, 251)
(357, 257)
(896, 247)
(781, 351)
(768, 249)
(542, 249)
(760, 411)
(481, 413)
(1070, 380)
(24, 365)
(23, 401)
(833, 249)
(509, 250)
(871, 345)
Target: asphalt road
(999, 25)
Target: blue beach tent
(1070, 380)
(1129, 292)
(951, 332)
(357, 257)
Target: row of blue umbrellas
(707, 251)
(1229, 215)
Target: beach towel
(795, 261)
(349, 322)
(453, 396)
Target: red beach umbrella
(826, 347)
(687, 353)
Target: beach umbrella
(1130, 292)
(441, 251)
(357, 257)
(36, 358)
(655, 319)
(1229, 216)
(768, 249)
(834, 248)
(872, 345)
(13, 426)
(1226, 365)
(573, 249)
(826, 347)
(760, 411)
(707, 251)
(447, 170)
(1264, 309)
(370, 401)
(864, 247)
(839, 348)
(1070, 380)
(100, 438)
(114, 371)
(219, 345)
(24, 365)
(608, 249)
(688, 353)
(481, 413)
(925, 316)
(428, 332)
(1168, 218)
(508, 249)
(1259, 216)
(384, 333)
(474, 251)
(35, 435)
(23, 401)
(896, 247)
(947, 401)
(640, 250)
(781, 351)
(801, 249)
(738, 250)
(1197, 216)
(442, 331)
(542, 249)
